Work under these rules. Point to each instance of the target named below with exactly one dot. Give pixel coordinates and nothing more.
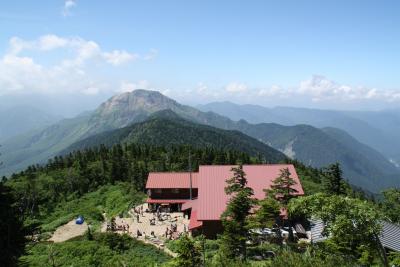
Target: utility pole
(1, 163)
(190, 176)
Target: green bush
(107, 249)
(292, 259)
(394, 258)
(111, 199)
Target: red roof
(190, 204)
(167, 201)
(212, 199)
(171, 180)
(194, 223)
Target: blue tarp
(79, 220)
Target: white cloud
(274, 90)
(166, 92)
(318, 91)
(236, 87)
(202, 88)
(118, 57)
(129, 86)
(20, 72)
(51, 41)
(68, 6)
(44, 43)
(16, 45)
(319, 88)
(153, 53)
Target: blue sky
(330, 54)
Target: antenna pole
(190, 175)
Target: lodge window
(175, 191)
(158, 191)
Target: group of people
(139, 234)
(171, 231)
(138, 212)
(124, 227)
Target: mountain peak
(144, 100)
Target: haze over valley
(200, 133)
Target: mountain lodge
(201, 195)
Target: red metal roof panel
(171, 180)
(194, 223)
(190, 204)
(212, 199)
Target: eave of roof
(165, 201)
(190, 204)
(194, 223)
(390, 236)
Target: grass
(109, 199)
(106, 249)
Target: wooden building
(208, 199)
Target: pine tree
(335, 184)
(12, 238)
(189, 254)
(282, 187)
(268, 212)
(234, 219)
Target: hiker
(170, 234)
(137, 218)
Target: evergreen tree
(189, 253)
(11, 229)
(268, 212)
(391, 204)
(282, 187)
(335, 185)
(234, 219)
(282, 190)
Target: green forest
(111, 180)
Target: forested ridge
(111, 179)
(145, 117)
(90, 182)
(166, 128)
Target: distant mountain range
(166, 128)
(362, 165)
(377, 129)
(20, 119)
(119, 111)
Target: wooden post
(190, 176)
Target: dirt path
(146, 228)
(68, 231)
